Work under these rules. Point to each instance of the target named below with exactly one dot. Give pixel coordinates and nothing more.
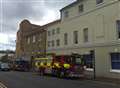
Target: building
(10, 55)
(31, 41)
(89, 26)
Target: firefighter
(42, 68)
(66, 65)
(56, 69)
(37, 64)
(66, 68)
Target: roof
(7, 51)
(71, 5)
(51, 23)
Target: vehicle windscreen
(78, 60)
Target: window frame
(81, 8)
(34, 39)
(118, 28)
(75, 37)
(65, 38)
(58, 42)
(99, 2)
(66, 14)
(86, 35)
(53, 43)
(49, 33)
(88, 61)
(114, 60)
(53, 31)
(28, 40)
(49, 43)
(58, 30)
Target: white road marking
(2, 85)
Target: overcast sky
(12, 12)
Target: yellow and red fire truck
(62, 65)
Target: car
(4, 67)
(21, 65)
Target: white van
(4, 66)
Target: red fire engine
(68, 66)
(65, 65)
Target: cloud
(36, 11)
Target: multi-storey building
(31, 41)
(85, 26)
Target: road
(32, 80)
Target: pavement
(32, 80)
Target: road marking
(2, 85)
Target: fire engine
(62, 65)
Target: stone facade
(31, 41)
(84, 25)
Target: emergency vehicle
(68, 66)
(62, 65)
(43, 65)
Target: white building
(87, 25)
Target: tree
(4, 58)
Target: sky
(12, 12)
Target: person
(66, 67)
(42, 68)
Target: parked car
(21, 65)
(4, 67)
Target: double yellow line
(2, 85)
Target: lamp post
(92, 53)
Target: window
(88, 60)
(115, 61)
(53, 43)
(28, 40)
(40, 38)
(58, 42)
(75, 37)
(48, 33)
(49, 42)
(118, 28)
(65, 38)
(85, 34)
(34, 39)
(99, 1)
(81, 8)
(53, 31)
(58, 30)
(66, 14)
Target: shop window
(115, 61)
(88, 60)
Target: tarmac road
(32, 80)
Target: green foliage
(4, 58)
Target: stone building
(89, 26)
(85, 26)
(31, 41)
